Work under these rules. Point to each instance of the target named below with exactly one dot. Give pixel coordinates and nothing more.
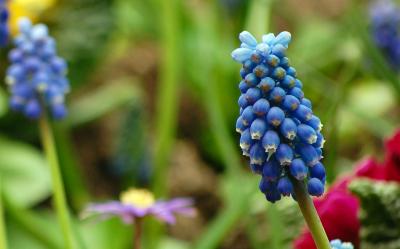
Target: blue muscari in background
(278, 130)
(36, 76)
(4, 32)
(338, 244)
(385, 23)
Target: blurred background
(154, 103)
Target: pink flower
(338, 209)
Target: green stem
(137, 244)
(311, 216)
(3, 235)
(58, 188)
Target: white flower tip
(24, 23)
(241, 54)
(247, 38)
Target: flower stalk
(311, 216)
(137, 244)
(58, 188)
(3, 234)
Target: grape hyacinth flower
(138, 203)
(385, 25)
(279, 132)
(4, 31)
(337, 244)
(37, 76)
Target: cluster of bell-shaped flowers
(279, 132)
(37, 76)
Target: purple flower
(139, 203)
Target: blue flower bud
(253, 94)
(298, 169)
(283, 38)
(263, 49)
(279, 73)
(306, 134)
(240, 127)
(288, 128)
(285, 186)
(58, 111)
(303, 113)
(261, 71)
(299, 84)
(243, 87)
(17, 103)
(243, 73)
(242, 101)
(285, 63)
(257, 169)
(297, 92)
(273, 196)
(258, 128)
(284, 154)
(266, 185)
(269, 39)
(245, 140)
(242, 54)
(271, 170)
(33, 109)
(277, 95)
(248, 39)
(337, 244)
(15, 55)
(257, 154)
(306, 102)
(290, 103)
(256, 57)
(320, 141)
(251, 80)
(315, 123)
(248, 115)
(292, 72)
(249, 65)
(315, 187)
(270, 142)
(266, 84)
(275, 116)
(279, 50)
(261, 107)
(273, 60)
(308, 154)
(288, 82)
(318, 171)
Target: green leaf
(380, 213)
(106, 234)
(102, 101)
(24, 172)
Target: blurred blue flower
(279, 131)
(385, 24)
(4, 31)
(338, 244)
(36, 76)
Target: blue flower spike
(37, 76)
(385, 32)
(4, 31)
(338, 244)
(279, 131)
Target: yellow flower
(27, 8)
(137, 197)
